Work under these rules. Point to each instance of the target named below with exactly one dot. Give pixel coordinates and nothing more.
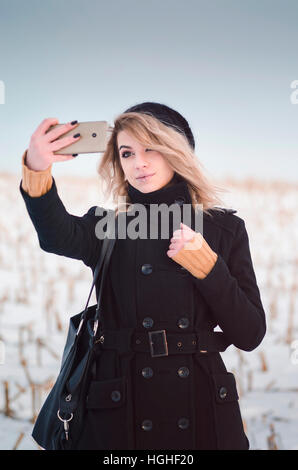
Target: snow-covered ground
(39, 291)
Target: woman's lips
(146, 178)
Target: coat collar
(176, 191)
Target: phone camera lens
(94, 134)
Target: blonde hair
(174, 147)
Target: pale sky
(226, 65)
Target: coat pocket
(225, 387)
(104, 394)
(106, 416)
(229, 425)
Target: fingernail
(77, 135)
(73, 123)
(75, 154)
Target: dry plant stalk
(42, 344)
(30, 332)
(264, 366)
(18, 441)
(25, 366)
(71, 284)
(244, 425)
(249, 380)
(58, 321)
(49, 307)
(273, 309)
(270, 385)
(238, 383)
(36, 400)
(38, 352)
(8, 400)
(242, 359)
(272, 439)
(33, 396)
(48, 383)
(19, 393)
(22, 296)
(21, 342)
(22, 330)
(7, 410)
(3, 299)
(289, 334)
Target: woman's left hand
(190, 250)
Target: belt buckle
(158, 343)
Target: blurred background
(230, 67)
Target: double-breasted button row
(183, 372)
(147, 425)
(183, 322)
(147, 372)
(223, 392)
(148, 322)
(182, 423)
(115, 395)
(147, 269)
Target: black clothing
(178, 401)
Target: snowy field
(39, 291)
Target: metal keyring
(61, 419)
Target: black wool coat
(166, 394)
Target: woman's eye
(123, 155)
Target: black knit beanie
(167, 116)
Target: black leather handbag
(61, 417)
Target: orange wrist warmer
(197, 257)
(35, 183)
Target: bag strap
(103, 277)
(102, 264)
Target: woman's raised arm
(58, 231)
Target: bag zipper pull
(66, 428)
(65, 423)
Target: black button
(183, 372)
(147, 425)
(147, 372)
(116, 395)
(180, 201)
(183, 322)
(148, 322)
(183, 423)
(223, 392)
(147, 269)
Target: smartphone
(93, 139)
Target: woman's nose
(140, 159)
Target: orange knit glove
(190, 250)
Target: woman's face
(137, 161)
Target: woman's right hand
(40, 154)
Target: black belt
(161, 343)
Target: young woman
(160, 380)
